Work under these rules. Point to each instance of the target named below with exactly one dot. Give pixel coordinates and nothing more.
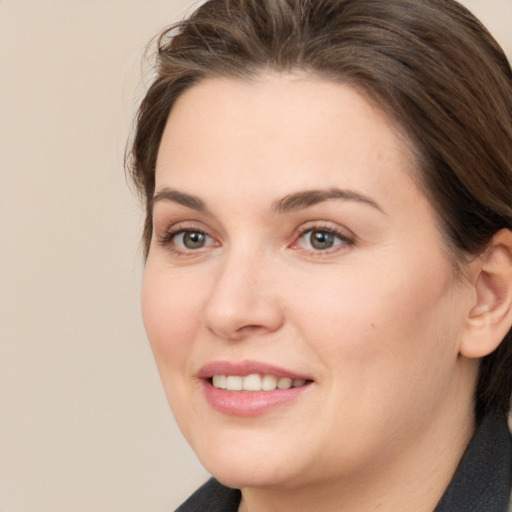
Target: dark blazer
(481, 483)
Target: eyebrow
(302, 200)
(289, 203)
(175, 196)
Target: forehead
(286, 129)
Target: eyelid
(167, 236)
(171, 234)
(344, 235)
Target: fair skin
(349, 290)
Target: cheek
(383, 326)
(171, 316)
(387, 347)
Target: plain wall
(84, 424)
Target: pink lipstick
(250, 388)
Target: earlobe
(490, 317)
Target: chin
(243, 479)
(241, 466)
(243, 476)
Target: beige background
(84, 425)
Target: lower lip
(249, 403)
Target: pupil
(193, 240)
(321, 240)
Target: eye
(186, 240)
(191, 239)
(321, 240)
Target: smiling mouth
(255, 382)
(251, 388)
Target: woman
(328, 284)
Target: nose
(243, 300)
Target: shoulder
(482, 481)
(212, 497)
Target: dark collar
(481, 483)
(212, 497)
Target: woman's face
(292, 247)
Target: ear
(490, 317)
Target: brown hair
(428, 63)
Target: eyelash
(342, 237)
(168, 239)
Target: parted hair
(430, 64)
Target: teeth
(269, 383)
(252, 383)
(255, 382)
(219, 381)
(234, 383)
(284, 383)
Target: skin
(376, 321)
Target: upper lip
(244, 368)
